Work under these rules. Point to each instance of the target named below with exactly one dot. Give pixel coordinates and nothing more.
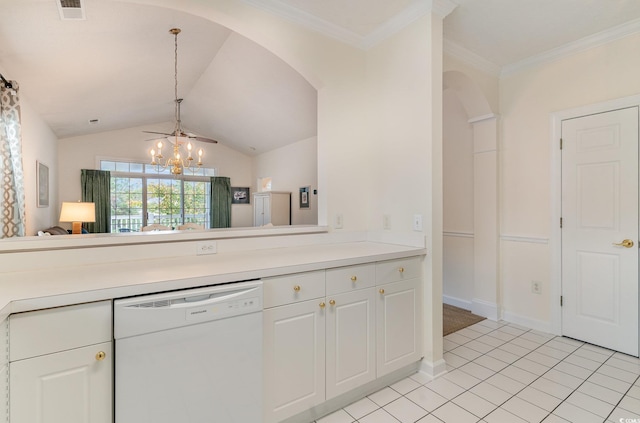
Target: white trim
(591, 41)
(481, 118)
(472, 59)
(530, 323)
(433, 369)
(456, 302)
(555, 260)
(458, 234)
(523, 238)
(485, 309)
(413, 11)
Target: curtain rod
(6, 83)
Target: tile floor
(504, 373)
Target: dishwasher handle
(200, 300)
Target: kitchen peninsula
(300, 267)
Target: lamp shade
(78, 213)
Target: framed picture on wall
(304, 197)
(42, 184)
(240, 195)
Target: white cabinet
(272, 207)
(398, 314)
(317, 346)
(61, 365)
(294, 344)
(350, 325)
(68, 387)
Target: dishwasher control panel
(224, 309)
(157, 312)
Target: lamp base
(76, 228)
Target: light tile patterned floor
(504, 373)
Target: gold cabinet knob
(381, 291)
(354, 278)
(332, 302)
(627, 243)
(400, 269)
(101, 355)
(296, 288)
(322, 304)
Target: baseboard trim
(456, 302)
(485, 309)
(433, 369)
(528, 322)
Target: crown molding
(478, 62)
(414, 11)
(582, 44)
(308, 20)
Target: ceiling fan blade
(203, 139)
(159, 133)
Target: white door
(351, 319)
(67, 387)
(600, 212)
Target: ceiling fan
(178, 132)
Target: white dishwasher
(192, 356)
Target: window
(143, 194)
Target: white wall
(458, 288)
(81, 152)
(38, 144)
(290, 168)
(527, 100)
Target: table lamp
(78, 213)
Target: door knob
(627, 243)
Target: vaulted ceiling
(117, 64)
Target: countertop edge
(224, 267)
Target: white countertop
(32, 290)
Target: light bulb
(189, 146)
(159, 145)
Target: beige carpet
(454, 319)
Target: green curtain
(96, 188)
(220, 212)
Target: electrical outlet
(338, 221)
(386, 221)
(417, 222)
(536, 287)
(206, 247)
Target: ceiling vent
(71, 10)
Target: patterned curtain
(12, 202)
(220, 202)
(96, 188)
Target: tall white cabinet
(272, 207)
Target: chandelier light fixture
(182, 157)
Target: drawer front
(58, 329)
(293, 288)
(398, 270)
(345, 279)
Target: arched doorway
(470, 173)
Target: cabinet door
(67, 387)
(398, 325)
(350, 340)
(294, 359)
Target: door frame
(555, 240)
